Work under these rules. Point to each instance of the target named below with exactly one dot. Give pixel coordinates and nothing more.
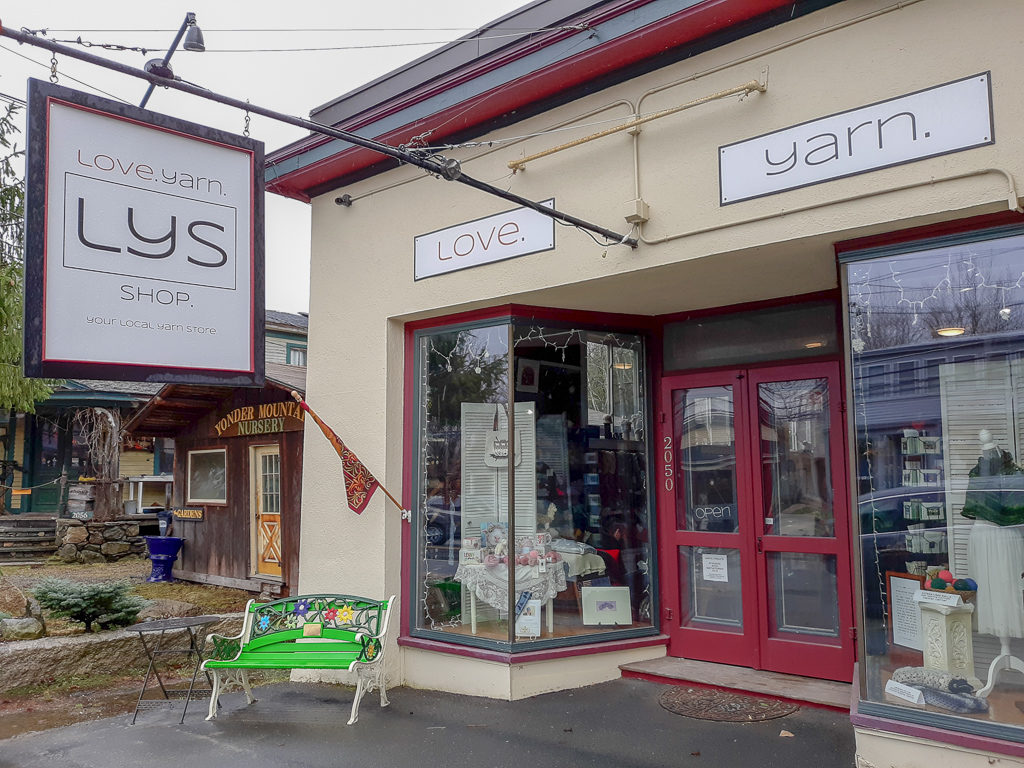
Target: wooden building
(237, 478)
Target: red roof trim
(686, 26)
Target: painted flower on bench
(291, 621)
(331, 614)
(371, 647)
(264, 623)
(301, 608)
(346, 613)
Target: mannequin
(995, 551)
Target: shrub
(108, 604)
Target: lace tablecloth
(491, 584)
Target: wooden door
(265, 467)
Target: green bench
(305, 632)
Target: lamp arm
(190, 18)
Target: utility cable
(445, 168)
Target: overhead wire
(316, 49)
(278, 30)
(64, 74)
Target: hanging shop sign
(940, 120)
(193, 515)
(518, 232)
(262, 419)
(144, 245)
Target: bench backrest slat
(340, 617)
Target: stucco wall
(844, 57)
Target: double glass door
(754, 502)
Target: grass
(210, 599)
(18, 580)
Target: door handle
(760, 546)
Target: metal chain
(53, 68)
(248, 119)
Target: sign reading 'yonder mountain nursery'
(262, 419)
(936, 121)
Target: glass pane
(795, 469)
(711, 588)
(742, 338)
(463, 481)
(270, 470)
(574, 555)
(803, 597)
(207, 476)
(582, 527)
(937, 344)
(703, 425)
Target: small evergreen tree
(108, 604)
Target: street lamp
(162, 67)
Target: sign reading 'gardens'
(144, 245)
(262, 419)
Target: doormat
(724, 706)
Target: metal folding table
(161, 632)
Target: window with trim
(941, 479)
(296, 355)
(532, 499)
(208, 476)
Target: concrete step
(7, 534)
(26, 551)
(806, 690)
(22, 521)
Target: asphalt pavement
(618, 724)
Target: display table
(157, 632)
(490, 584)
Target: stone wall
(81, 541)
(36, 662)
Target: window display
(533, 498)
(937, 341)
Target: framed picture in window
(208, 476)
(607, 605)
(527, 375)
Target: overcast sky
(293, 82)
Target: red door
(755, 521)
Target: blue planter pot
(163, 551)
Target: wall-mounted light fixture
(952, 330)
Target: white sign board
(150, 264)
(937, 121)
(503, 236)
(906, 616)
(904, 692)
(715, 567)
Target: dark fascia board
(309, 166)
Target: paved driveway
(618, 724)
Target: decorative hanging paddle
(359, 481)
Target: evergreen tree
(17, 394)
(108, 604)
